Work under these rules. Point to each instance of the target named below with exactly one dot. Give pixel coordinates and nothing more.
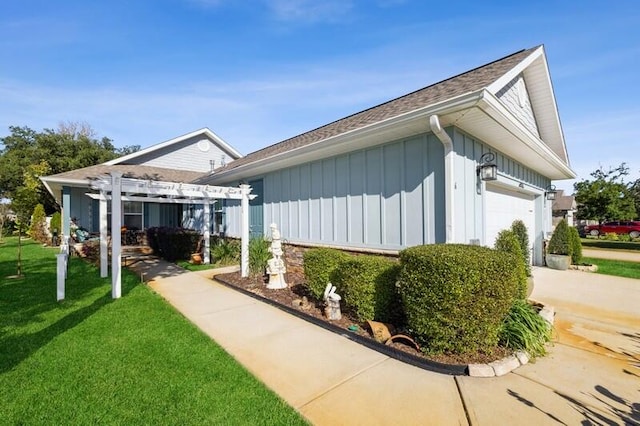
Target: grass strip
(619, 268)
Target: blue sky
(259, 71)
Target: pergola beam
(157, 192)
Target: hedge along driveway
(90, 359)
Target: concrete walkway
(592, 373)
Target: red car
(617, 227)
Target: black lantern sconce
(550, 192)
(487, 169)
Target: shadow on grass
(30, 315)
(16, 348)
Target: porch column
(116, 224)
(207, 225)
(244, 217)
(104, 247)
(66, 212)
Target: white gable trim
(535, 71)
(204, 131)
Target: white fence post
(62, 274)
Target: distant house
(408, 171)
(182, 159)
(563, 207)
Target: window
(132, 215)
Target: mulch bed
(296, 294)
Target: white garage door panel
(502, 207)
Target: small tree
(576, 246)
(559, 243)
(37, 228)
(4, 210)
(56, 224)
(520, 230)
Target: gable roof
(465, 90)
(204, 131)
(83, 177)
(563, 202)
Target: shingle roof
(130, 171)
(467, 82)
(563, 202)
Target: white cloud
(310, 11)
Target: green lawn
(93, 360)
(615, 267)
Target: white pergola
(119, 189)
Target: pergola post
(116, 224)
(66, 213)
(207, 226)
(244, 244)
(104, 246)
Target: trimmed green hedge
(508, 241)
(173, 243)
(456, 296)
(367, 285)
(319, 265)
(576, 246)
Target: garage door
(502, 207)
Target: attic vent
(521, 90)
(204, 145)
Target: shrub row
(456, 296)
(451, 298)
(566, 241)
(173, 243)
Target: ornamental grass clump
(319, 266)
(367, 285)
(259, 255)
(455, 296)
(524, 329)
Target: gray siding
(186, 155)
(386, 197)
(82, 209)
(515, 97)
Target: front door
(256, 209)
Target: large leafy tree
(72, 146)
(606, 196)
(634, 189)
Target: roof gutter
(266, 164)
(436, 128)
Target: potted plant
(559, 248)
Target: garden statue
(275, 266)
(332, 301)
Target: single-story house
(454, 162)
(413, 170)
(563, 207)
(182, 159)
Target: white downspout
(449, 184)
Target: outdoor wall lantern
(487, 169)
(550, 192)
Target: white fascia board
(496, 110)
(203, 131)
(301, 154)
(540, 57)
(515, 71)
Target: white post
(62, 273)
(104, 247)
(207, 224)
(116, 224)
(244, 217)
